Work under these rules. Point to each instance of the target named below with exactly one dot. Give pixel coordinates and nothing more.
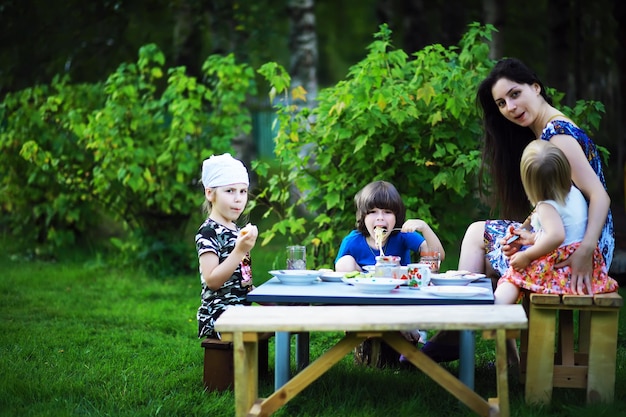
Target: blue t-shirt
(398, 244)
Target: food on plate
(357, 274)
(456, 273)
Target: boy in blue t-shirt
(379, 206)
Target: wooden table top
(375, 318)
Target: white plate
(474, 276)
(332, 276)
(373, 285)
(296, 276)
(455, 291)
(443, 279)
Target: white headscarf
(220, 170)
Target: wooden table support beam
(360, 323)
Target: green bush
(413, 122)
(131, 148)
(134, 148)
(46, 199)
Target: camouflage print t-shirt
(216, 238)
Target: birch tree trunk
(492, 10)
(303, 47)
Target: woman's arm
(588, 183)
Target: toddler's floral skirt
(541, 275)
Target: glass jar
(386, 266)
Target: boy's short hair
(378, 194)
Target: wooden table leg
(246, 373)
(502, 376)
(540, 358)
(438, 374)
(309, 374)
(602, 356)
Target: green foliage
(137, 144)
(408, 120)
(46, 199)
(412, 122)
(148, 145)
(587, 115)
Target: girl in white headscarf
(223, 247)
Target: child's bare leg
(472, 258)
(506, 293)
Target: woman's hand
(581, 262)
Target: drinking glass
(432, 257)
(296, 257)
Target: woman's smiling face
(517, 102)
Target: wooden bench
(552, 356)
(218, 372)
(360, 323)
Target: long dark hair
(382, 195)
(505, 141)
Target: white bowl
(296, 276)
(332, 276)
(374, 285)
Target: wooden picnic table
(338, 293)
(243, 325)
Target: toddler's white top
(573, 213)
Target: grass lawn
(82, 338)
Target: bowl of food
(443, 279)
(332, 276)
(296, 276)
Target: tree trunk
(303, 47)
(186, 38)
(492, 10)
(221, 26)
